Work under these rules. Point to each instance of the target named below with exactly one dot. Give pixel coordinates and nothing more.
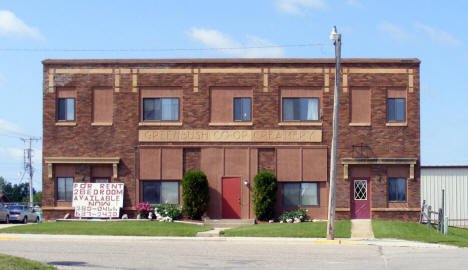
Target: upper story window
(242, 107)
(230, 106)
(396, 105)
(161, 106)
(66, 104)
(396, 110)
(160, 109)
(300, 109)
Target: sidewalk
(98, 238)
(361, 229)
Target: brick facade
(380, 148)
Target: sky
(433, 31)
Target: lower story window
(161, 192)
(397, 189)
(300, 194)
(64, 188)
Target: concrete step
(228, 223)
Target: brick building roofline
(233, 61)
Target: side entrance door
(360, 201)
(231, 197)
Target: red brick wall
(121, 139)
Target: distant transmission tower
(28, 165)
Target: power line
(161, 50)
(28, 164)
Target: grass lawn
(110, 228)
(418, 232)
(13, 263)
(303, 229)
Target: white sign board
(100, 200)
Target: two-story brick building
(146, 122)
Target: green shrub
(300, 214)
(173, 211)
(264, 195)
(195, 194)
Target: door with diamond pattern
(360, 201)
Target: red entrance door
(231, 197)
(360, 203)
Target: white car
(24, 214)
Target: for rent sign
(97, 200)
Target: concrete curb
(345, 241)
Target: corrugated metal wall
(455, 182)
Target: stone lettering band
(197, 135)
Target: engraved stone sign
(198, 135)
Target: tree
(195, 194)
(16, 192)
(264, 195)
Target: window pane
(401, 189)
(170, 192)
(151, 192)
(148, 109)
(60, 189)
(291, 192)
(61, 109)
(309, 109)
(309, 194)
(246, 105)
(69, 189)
(391, 109)
(291, 109)
(237, 109)
(101, 180)
(400, 109)
(170, 109)
(70, 109)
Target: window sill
(396, 124)
(96, 124)
(65, 124)
(230, 124)
(159, 124)
(359, 124)
(310, 124)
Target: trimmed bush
(264, 195)
(195, 194)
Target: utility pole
(28, 165)
(336, 108)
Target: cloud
(10, 25)
(297, 6)
(222, 42)
(436, 34)
(15, 154)
(354, 3)
(397, 33)
(8, 127)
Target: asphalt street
(76, 252)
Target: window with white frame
(160, 109)
(300, 109)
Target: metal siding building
(454, 179)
